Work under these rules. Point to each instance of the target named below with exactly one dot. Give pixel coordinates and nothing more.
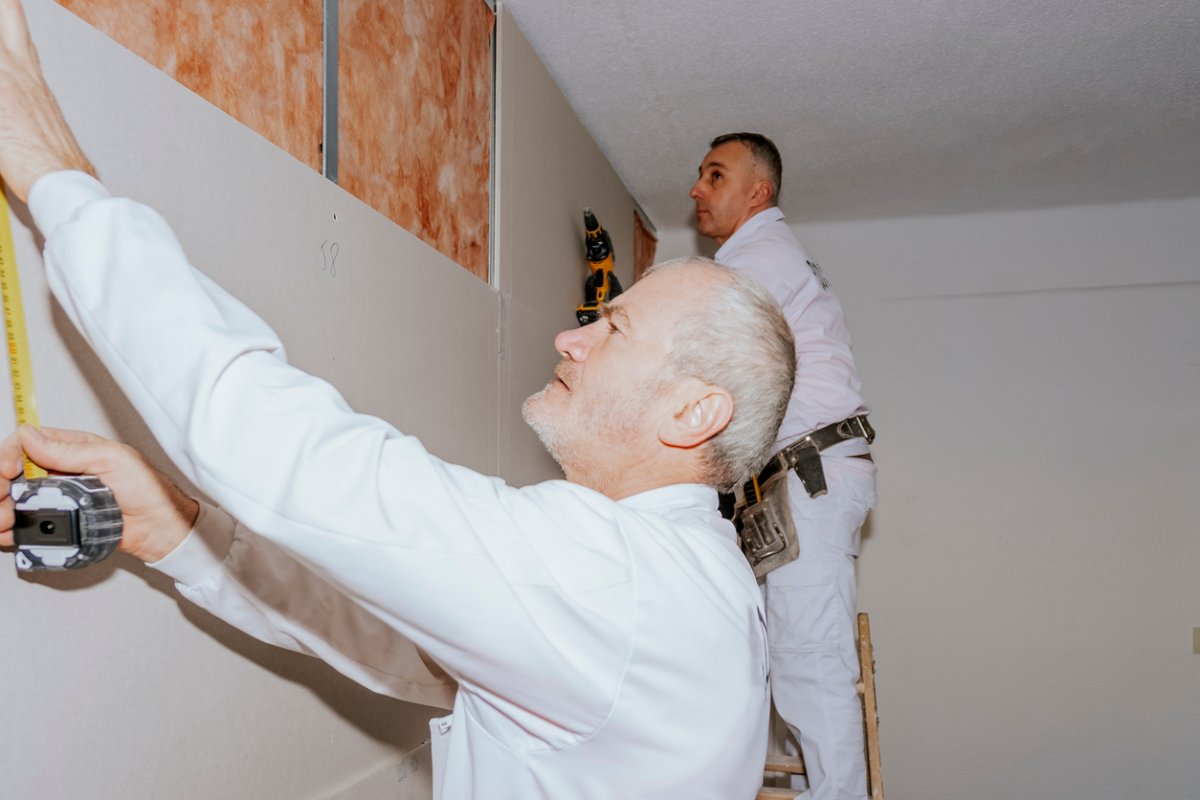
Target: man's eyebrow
(708, 164)
(616, 314)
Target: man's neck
(750, 214)
(617, 485)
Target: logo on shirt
(820, 276)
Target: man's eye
(716, 176)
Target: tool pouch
(765, 529)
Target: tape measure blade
(20, 364)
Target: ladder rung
(792, 765)
(773, 793)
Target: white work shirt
(601, 649)
(827, 387)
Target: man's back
(684, 711)
(827, 387)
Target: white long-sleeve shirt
(827, 387)
(601, 649)
(258, 586)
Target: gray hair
(738, 340)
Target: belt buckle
(846, 429)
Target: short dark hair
(764, 151)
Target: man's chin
(537, 417)
(549, 426)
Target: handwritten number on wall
(329, 254)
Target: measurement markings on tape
(20, 365)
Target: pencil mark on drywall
(329, 255)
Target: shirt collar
(676, 496)
(749, 228)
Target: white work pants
(811, 626)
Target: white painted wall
(114, 688)
(1032, 568)
(549, 169)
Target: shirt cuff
(203, 551)
(56, 196)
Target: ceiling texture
(881, 109)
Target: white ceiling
(888, 108)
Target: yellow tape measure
(63, 521)
(20, 365)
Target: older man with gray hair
(599, 637)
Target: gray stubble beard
(546, 433)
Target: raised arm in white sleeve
(435, 551)
(258, 587)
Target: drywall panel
(257, 62)
(409, 777)
(548, 170)
(115, 688)
(530, 362)
(1031, 568)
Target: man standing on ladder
(824, 443)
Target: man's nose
(695, 192)
(574, 343)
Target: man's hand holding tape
(157, 515)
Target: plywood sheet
(415, 94)
(258, 62)
(415, 118)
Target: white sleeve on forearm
(259, 588)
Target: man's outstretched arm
(226, 569)
(445, 556)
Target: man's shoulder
(765, 239)
(556, 496)
(586, 514)
(774, 257)
(779, 245)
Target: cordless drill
(602, 284)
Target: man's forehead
(725, 155)
(659, 297)
(711, 161)
(715, 160)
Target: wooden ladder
(794, 765)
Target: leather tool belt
(762, 514)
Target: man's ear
(761, 196)
(697, 417)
